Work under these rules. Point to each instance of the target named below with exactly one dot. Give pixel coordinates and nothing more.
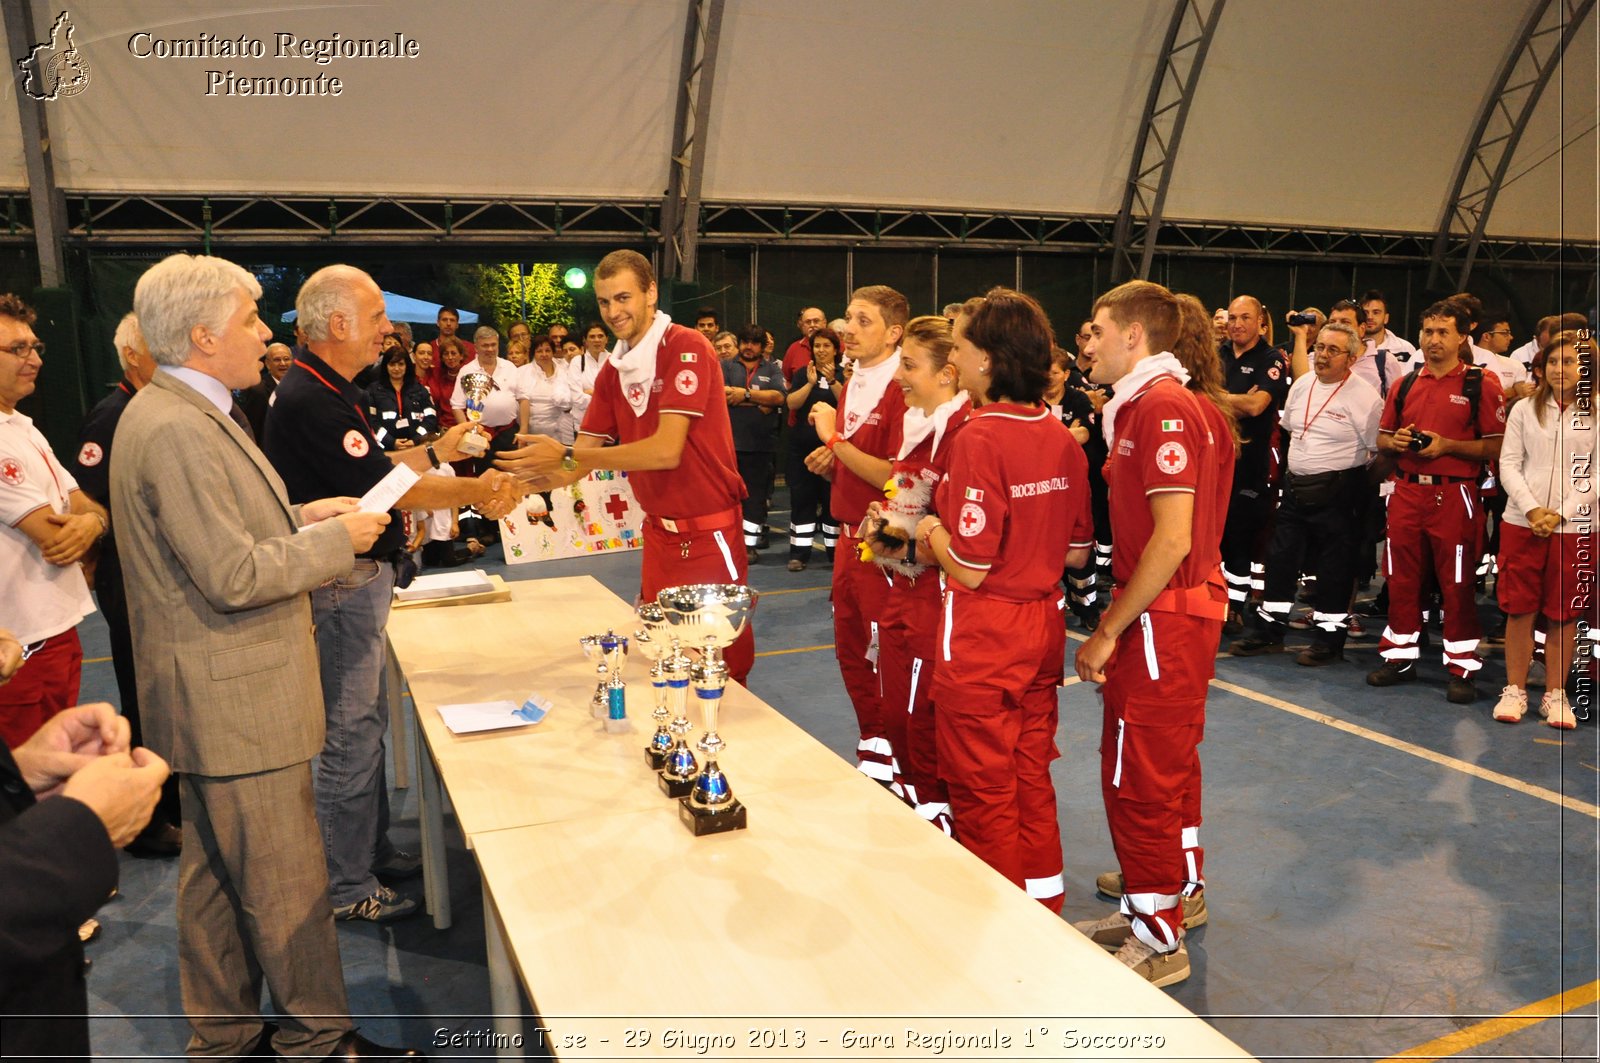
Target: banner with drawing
(596, 515)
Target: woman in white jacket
(1547, 543)
(544, 394)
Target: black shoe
(1393, 673)
(353, 1046)
(1317, 656)
(1462, 691)
(383, 906)
(764, 540)
(1233, 627)
(399, 868)
(752, 555)
(1089, 621)
(159, 840)
(796, 564)
(1254, 647)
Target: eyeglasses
(1084, 335)
(22, 350)
(1499, 332)
(1327, 348)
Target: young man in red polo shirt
(1441, 436)
(860, 440)
(1155, 645)
(659, 397)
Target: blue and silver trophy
(655, 641)
(710, 616)
(615, 648)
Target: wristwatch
(568, 462)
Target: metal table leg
(504, 996)
(401, 738)
(430, 814)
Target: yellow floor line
(1570, 803)
(796, 590)
(96, 660)
(1509, 1023)
(797, 649)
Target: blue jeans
(352, 793)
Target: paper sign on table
(482, 716)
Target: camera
(1419, 441)
(1302, 319)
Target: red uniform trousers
(1437, 527)
(860, 593)
(703, 550)
(908, 638)
(994, 691)
(1153, 723)
(46, 683)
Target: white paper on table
(389, 490)
(455, 584)
(481, 716)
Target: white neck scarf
(866, 389)
(1163, 364)
(917, 425)
(636, 366)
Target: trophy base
(623, 726)
(655, 758)
(600, 712)
(703, 822)
(472, 444)
(676, 787)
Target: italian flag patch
(686, 356)
(974, 495)
(1172, 426)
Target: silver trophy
(475, 388)
(594, 651)
(710, 616)
(615, 648)
(655, 641)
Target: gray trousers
(253, 905)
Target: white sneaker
(1513, 704)
(1110, 933)
(1555, 710)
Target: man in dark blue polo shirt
(753, 387)
(1257, 382)
(319, 439)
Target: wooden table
(838, 909)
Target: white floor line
(1572, 804)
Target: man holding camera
(1441, 424)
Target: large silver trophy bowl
(656, 641)
(475, 388)
(709, 617)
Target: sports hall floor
(1387, 873)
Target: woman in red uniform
(1013, 511)
(909, 632)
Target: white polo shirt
(1330, 427)
(39, 599)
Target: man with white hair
(319, 440)
(161, 837)
(218, 564)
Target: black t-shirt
(755, 428)
(320, 440)
(92, 467)
(803, 438)
(1264, 368)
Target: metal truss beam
(1534, 56)
(1166, 110)
(49, 223)
(105, 221)
(691, 123)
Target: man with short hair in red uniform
(860, 440)
(1441, 436)
(1155, 645)
(659, 397)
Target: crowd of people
(974, 487)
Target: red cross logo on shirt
(11, 472)
(972, 519)
(1172, 459)
(617, 506)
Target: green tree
(538, 296)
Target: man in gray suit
(218, 565)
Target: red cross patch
(11, 472)
(635, 392)
(1171, 458)
(972, 520)
(617, 506)
(90, 454)
(355, 444)
(685, 382)
(1274, 372)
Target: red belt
(1209, 600)
(689, 525)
